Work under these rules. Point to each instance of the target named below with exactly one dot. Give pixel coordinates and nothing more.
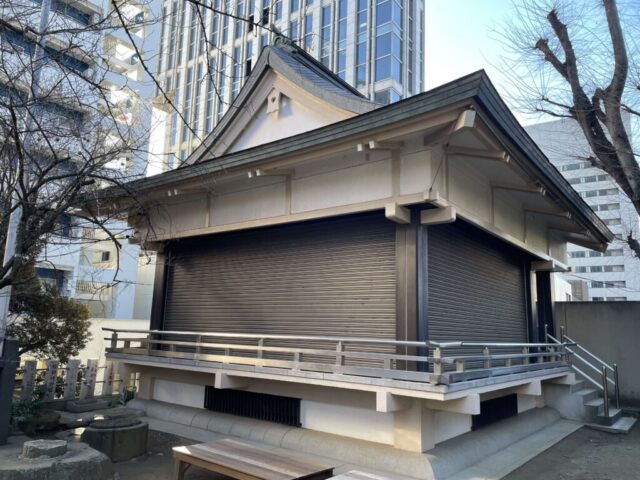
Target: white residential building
(614, 274)
(82, 261)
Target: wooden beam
(478, 152)
(469, 404)
(437, 216)
(535, 189)
(387, 402)
(466, 119)
(397, 213)
(548, 266)
(550, 213)
(387, 145)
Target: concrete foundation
(438, 463)
(44, 448)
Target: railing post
(525, 360)
(605, 391)
(339, 355)
(149, 337)
(71, 379)
(486, 353)
(197, 352)
(546, 333)
(617, 388)
(562, 334)
(437, 366)
(260, 353)
(114, 340)
(51, 375)
(28, 379)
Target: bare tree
(580, 59)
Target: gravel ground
(586, 455)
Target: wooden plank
(247, 462)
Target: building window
(612, 221)
(388, 40)
(278, 9)
(187, 104)
(193, 30)
(386, 96)
(581, 269)
(308, 32)
(597, 299)
(578, 254)
(173, 138)
(325, 37)
(236, 78)
(361, 43)
(222, 86)
(615, 252)
(293, 30)
(614, 268)
(616, 299)
(342, 39)
(198, 97)
(595, 269)
(211, 95)
(295, 5)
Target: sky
(461, 38)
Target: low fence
(49, 380)
(611, 330)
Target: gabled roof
(293, 63)
(474, 88)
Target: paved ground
(158, 463)
(586, 455)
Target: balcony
(431, 370)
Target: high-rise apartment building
(83, 43)
(596, 276)
(207, 53)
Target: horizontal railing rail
(421, 361)
(602, 368)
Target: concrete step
(577, 386)
(587, 394)
(622, 425)
(613, 417)
(595, 405)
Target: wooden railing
(438, 363)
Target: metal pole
(605, 391)
(546, 333)
(16, 211)
(562, 333)
(615, 379)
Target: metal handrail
(604, 367)
(590, 353)
(378, 341)
(499, 363)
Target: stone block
(80, 406)
(120, 439)
(47, 448)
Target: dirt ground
(586, 455)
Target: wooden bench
(245, 462)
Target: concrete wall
(95, 347)
(611, 330)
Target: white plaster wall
(293, 118)
(95, 347)
(415, 172)
(186, 394)
(184, 212)
(469, 189)
(508, 214)
(262, 202)
(450, 424)
(348, 421)
(527, 402)
(369, 181)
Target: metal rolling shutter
(476, 286)
(333, 277)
